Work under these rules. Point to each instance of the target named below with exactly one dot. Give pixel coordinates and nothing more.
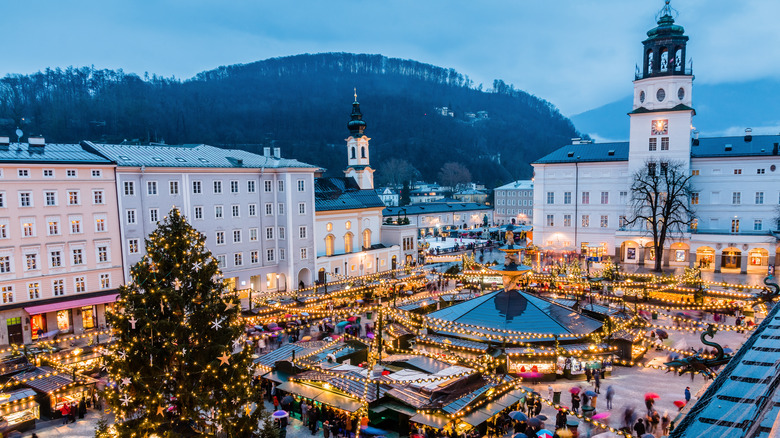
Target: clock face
(641, 97)
(659, 127)
(660, 94)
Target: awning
(71, 304)
(276, 376)
(323, 396)
(397, 407)
(433, 420)
(479, 416)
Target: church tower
(661, 120)
(357, 150)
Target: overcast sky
(578, 54)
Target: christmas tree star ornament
(224, 359)
(230, 305)
(160, 411)
(125, 381)
(219, 428)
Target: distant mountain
(721, 109)
(301, 104)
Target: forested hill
(301, 104)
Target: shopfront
(63, 317)
(19, 410)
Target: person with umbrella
(650, 401)
(610, 396)
(560, 419)
(575, 402)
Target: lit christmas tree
(179, 362)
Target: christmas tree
(178, 361)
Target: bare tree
(452, 174)
(395, 171)
(660, 202)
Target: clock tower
(357, 150)
(661, 119)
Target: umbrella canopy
(304, 313)
(342, 323)
(287, 315)
(544, 433)
(728, 350)
(272, 325)
(531, 375)
(348, 326)
(574, 390)
(359, 301)
(651, 395)
(519, 435)
(564, 433)
(280, 414)
(519, 416)
(368, 430)
(277, 329)
(661, 334)
(594, 365)
(601, 415)
(370, 335)
(679, 403)
(352, 319)
(288, 399)
(306, 338)
(534, 422)
(590, 393)
(541, 417)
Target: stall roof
(421, 363)
(455, 342)
(42, 384)
(393, 406)
(12, 396)
(276, 376)
(479, 416)
(433, 420)
(282, 353)
(318, 394)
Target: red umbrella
(651, 395)
(575, 390)
(352, 319)
(679, 403)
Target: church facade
(582, 192)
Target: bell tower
(357, 150)
(662, 116)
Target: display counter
(19, 410)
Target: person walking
(687, 394)
(326, 429)
(597, 381)
(654, 420)
(610, 396)
(560, 419)
(575, 403)
(65, 411)
(304, 411)
(588, 374)
(665, 421)
(649, 402)
(639, 428)
(82, 408)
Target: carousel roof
(517, 311)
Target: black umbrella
(541, 417)
(535, 422)
(287, 400)
(661, 334)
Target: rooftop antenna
(19, 135)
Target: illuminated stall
(18, 410)
(54, 389)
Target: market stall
(55, 389)
(18, 410)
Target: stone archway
(629, 252)
(304, 278)
(731, 258)
(705, 257)
(679, 253)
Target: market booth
(54, 389)
(18, 410)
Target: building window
(585, 220)
(269, 209)
(604, 221)
(58, 287)
(34, 289)
(736, 198)
(268, 186)
(735, 225)
(269, 233)
(269, 255)
(198, 212)
(196, 187)
(151, 187)
(23, 173)
(48, 173)
(304, 253)
(97, 197)
(281, 254)
(31, 262)
(302, 232)
(28, 229)
(622, 221)
(280, 186)
(5, 264)
(238, 259)
(220, 237)
(236, 236)
(130, 216)
(81, 284)
(234, 186)
(253, 234)
(252, 210)
(737, 171)
(78, 256)
(217, 187)
(651, 169)
(218, 212)
(8, 294)
(173, 187)
(154, 215)
(221, 261)
(759, 197)
(567, 197)
(281, 233)
(102, 254)
(280, 209)
(75, 225)
(51, 198)
(105, 281)
(250, 186)
(96, 173)
(253, 257)
(566, 220)
(605, 197)
(301, 185)
(133, 246)
(695, 172)
(694, 198)
(550, 220)
(330, 243)
(2, 199)
(73, 197)
(302, 208)
(551, 197)
(653, 144)
(760, 171)
(235, 210)
(71, 173)
(664, 143)
(25, 199)
(54, 227)
(348, 243)
(757, 225)
(129, 188)
(100, 225)
(55, 257)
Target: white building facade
(514, 203)
(582, 191)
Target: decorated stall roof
(44, 379)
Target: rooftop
(526, 184)
(49, 154)
(433, 207)
(343, 193)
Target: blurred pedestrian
(688, 393)
(610, 396)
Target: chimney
(774, 149)
(748, 135)
(277, 153)
(266, 152)
(5, 142)
(36, 141)
(695, 138)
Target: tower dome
(664, 49)
(356, 124)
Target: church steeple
(664, 49)
(357, 150)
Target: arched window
(348, 243)
(649, 62)
(330, 243)
(678, 61)
(353, 153)
(363, 152)
(664, 59)
(367, 238)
